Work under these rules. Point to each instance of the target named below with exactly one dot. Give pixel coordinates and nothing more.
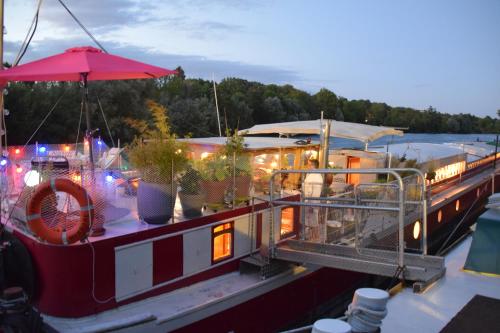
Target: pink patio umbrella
(83, 64)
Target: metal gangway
(370, 227)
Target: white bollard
(367, 309)
(331, 326)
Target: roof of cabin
(254, 143)
(420, 151)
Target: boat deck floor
(432, 310)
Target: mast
(216, 105)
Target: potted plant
(159, 157)
(240, 166)
(214, 174)
(190, 195)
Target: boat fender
(58, 234)
(16, 266)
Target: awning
(339, 129)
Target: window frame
(214, 234)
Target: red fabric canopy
(70, 65)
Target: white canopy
(340, 129)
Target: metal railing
(397, 205)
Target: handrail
(400, 209)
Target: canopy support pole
(324, 147)
(88, 132)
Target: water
(413, 137)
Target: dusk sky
(444, 53)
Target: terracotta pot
(191, 204)
(155, 202)
(214, 190)
(242, 187)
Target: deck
(431, 311)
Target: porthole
(457, 205)
(416, 230)
(440, 216)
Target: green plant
(155, 152)
(190, 181)
(235, 149)
(431, 172)
(214, 167)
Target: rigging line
(27, 39)
(105, 121)
(78, 129)
(45, 119)
(485, 187)
(83, 27)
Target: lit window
(478, 193)
(222, 241)
(286, 220)
(416, 230)
(440, 216)
(457, 205)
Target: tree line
(191, 108)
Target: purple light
(42, 149)
(109, 178)
(3, 162)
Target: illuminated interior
(440, 216)
(286, 221)
(416, 230)
(450, 170)
(222, 241)
(457, 205)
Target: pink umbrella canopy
(77, 62)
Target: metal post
(2, 130)
(324, 148)
(88, 132)
(496, 152)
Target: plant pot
(191, 204)
(155, 202)
(214, 191)
(242, 187)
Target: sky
(414, 53)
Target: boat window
(478, 193)
(416, 230)
(440, 216)
(457, 205)
(287, 220)
(222, 244)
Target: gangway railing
(352, 253)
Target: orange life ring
(58, 235)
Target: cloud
(97, 14)
(195, 66)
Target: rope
(105, 121)
(93, 277)
(28, 38)
(45, 119)
(82, 26)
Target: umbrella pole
(88, 133)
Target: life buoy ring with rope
(58, 234)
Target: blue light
(3, 162)
(42, 149)
(99, 142)
(109, 178)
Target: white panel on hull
(241, 239)
(133, 269)
(197, 250)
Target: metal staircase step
(423, 269)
